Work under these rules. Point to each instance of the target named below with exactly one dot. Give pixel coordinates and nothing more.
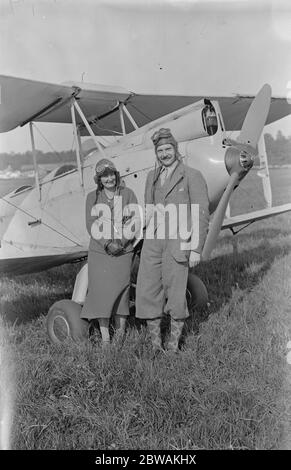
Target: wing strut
(87, 125)
(78, 146)
(122, 120)
(36, 175)
(124, 108)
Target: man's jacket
(186, 186)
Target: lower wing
(247, 219)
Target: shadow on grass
(25, 297)
(243, 270)
(26, 308)
(220, 275)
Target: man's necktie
(164, 175)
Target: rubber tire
(68, 312)
(197, 295)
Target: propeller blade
(256, 116)
(264, 172)
(249, 135)
(219, 216)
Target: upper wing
(145, 108)
(246, 219)
(26, 100)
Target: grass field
(228, 388)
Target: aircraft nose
(239, 158)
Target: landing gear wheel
(63, 322)
(196, 293)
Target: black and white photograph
(145, 221)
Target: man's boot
(176, 331)
(154, 327)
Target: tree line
(278, 151)
(17, 160)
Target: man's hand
(113, 247)
(194, 259)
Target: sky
(159, 46)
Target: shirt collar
(170, 169)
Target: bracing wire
(46, 140)
(43, 223)
(141, 112)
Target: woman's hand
(113, 247)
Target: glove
(194, 259)
(113, 247)
(125, 242)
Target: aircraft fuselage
(40, 230)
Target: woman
(110, 249)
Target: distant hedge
(16, 160)
(278, 150)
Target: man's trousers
(161, 283)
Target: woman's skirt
(108, 276)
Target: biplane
(43, 225)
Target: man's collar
(170, 168)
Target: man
(165, 260)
